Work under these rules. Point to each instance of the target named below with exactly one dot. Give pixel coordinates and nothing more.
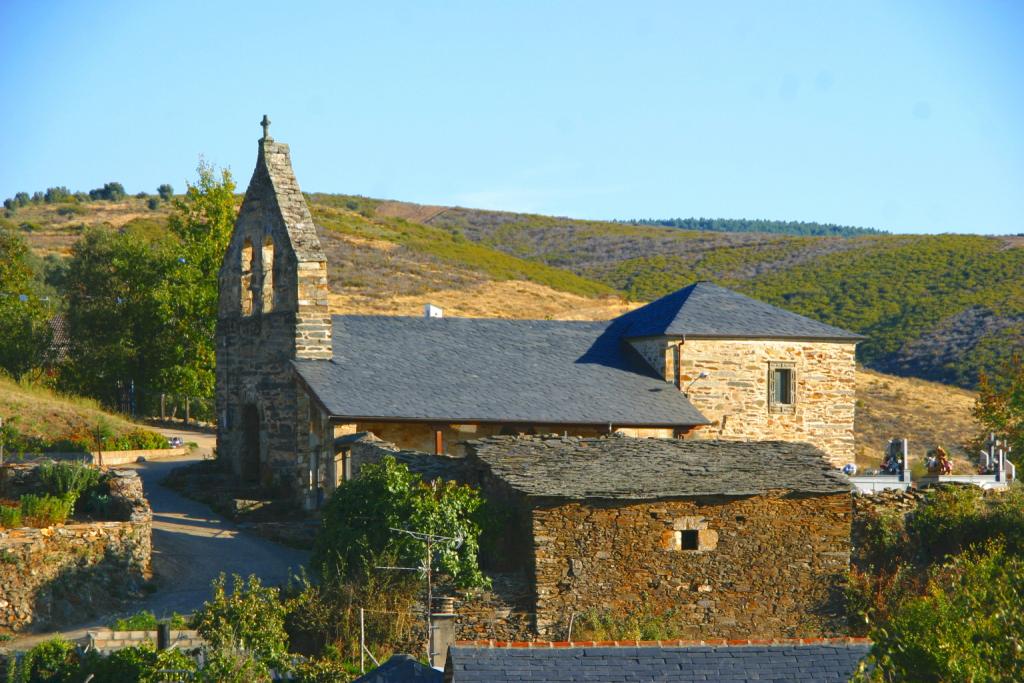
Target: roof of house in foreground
(823, 662)
(618, 467)
(706, 311)
(486, 370)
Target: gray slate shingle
(464, 369)
(619, 467)
(728, 664)
(705, 310)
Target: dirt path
(191, 546)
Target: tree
(250, 618)
(1000, 405)
(166, 192)
(24, 320)
(188, 298)
(357, 532)
(56, 194)
(116, 335)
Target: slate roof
(706, 311)
(402, 669)
(484, 370)
(822, 663)
(619, 467)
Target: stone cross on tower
(266, 127)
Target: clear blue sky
(907, 116)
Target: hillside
(939, 307)
(37, 412)
(382, 261)
(907, 293)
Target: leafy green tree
(1000, 405)
(22, 198)
(57, 194)
(24, 319)
(166, 192)
(358, 522)
(249, 618)
(187, 298)
(117, 336)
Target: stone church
(293, 381)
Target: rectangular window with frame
(781, 387)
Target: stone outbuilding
(724, 538)
(701, 363)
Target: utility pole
(427, 568)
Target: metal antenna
(427, 568)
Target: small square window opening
(688, 539)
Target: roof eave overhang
(335, 417)
(852, 339)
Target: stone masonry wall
(63, 574)
(274, 261)
(766, 568)
(734, 396)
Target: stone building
(294, 381)
(732, 539)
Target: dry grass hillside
(39, 412)
(928, 414)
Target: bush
(136, 664)
(147, 621)
(947, 520)
(356, 532)
(968, 627)
(10, 517)
(642, 624)
(324, 617)
(68, 479)
(249, 618)
(45, 511)
(152, 203)
(52, 661)
(166, 192)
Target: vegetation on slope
(759, 225)
(39, 418)
(354, 216)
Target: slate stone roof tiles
(486, 370)
(624, 468)
(706, 311)
(821, 663)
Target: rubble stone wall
(63, 574)
(767, 565)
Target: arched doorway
(250, 443)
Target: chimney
(442, 631)
(432, 311)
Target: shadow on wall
(78, 593)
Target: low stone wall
(107, 640)
(502, 613)
(109, 458)
(62, 574)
